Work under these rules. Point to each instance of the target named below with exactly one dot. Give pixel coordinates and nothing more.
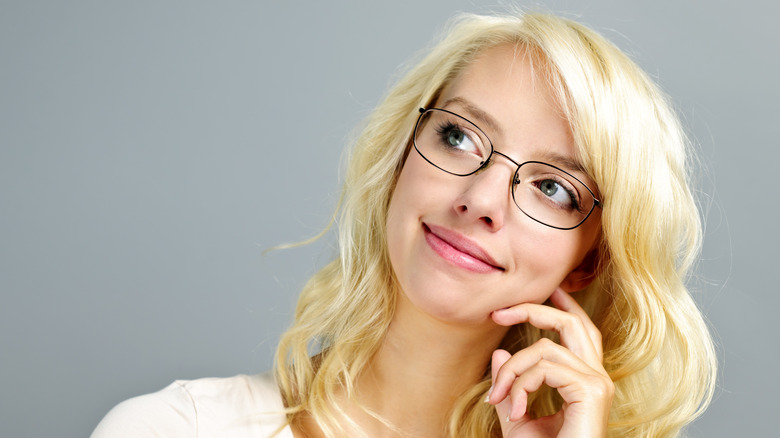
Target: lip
(459, 250)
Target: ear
(584, 274)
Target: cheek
(543, 260)
(411, 195)
(401, 216)
(394, 231)
(419, 192)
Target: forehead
(506, 93)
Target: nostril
(488, 220)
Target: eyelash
(446, 127)
(572, 194)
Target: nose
(487, 196)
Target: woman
(515, 230)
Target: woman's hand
(574, 368)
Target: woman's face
(459, 246)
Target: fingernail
(487, 397)
(507, 419)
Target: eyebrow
(476, 112)
(569, 164)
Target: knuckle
(610, 386)
(543, 346)
(602, 387)
(576, 320)
(545, 342)
(544, 364)
(569, 320)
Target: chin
(451, 307)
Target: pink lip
(459, 250)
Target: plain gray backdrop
(151, 150)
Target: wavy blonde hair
(657, 348)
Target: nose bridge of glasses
(511, 160)
(509, 167)
(508, 158)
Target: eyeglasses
(545, 193)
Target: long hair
(657, 348)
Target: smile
(459, 250)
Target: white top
(233, 407)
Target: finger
(587, 396)
(523, 385)
(570, 326)
(567, 303)
(502, 403)
(543, 349)
(573, 385)
(500, 357)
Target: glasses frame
(486, 163)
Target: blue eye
(455, 137)
(557, 193)
(452, 136)
(549, 187)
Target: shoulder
(235, 406)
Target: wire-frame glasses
(544, 192)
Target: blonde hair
(657, 348)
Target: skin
(450, 319)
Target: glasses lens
(552, 196)
(450, 142)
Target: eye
(558, 193)
(455, 137)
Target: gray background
(150, 151)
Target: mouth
(459, 250)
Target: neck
(421, 369)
